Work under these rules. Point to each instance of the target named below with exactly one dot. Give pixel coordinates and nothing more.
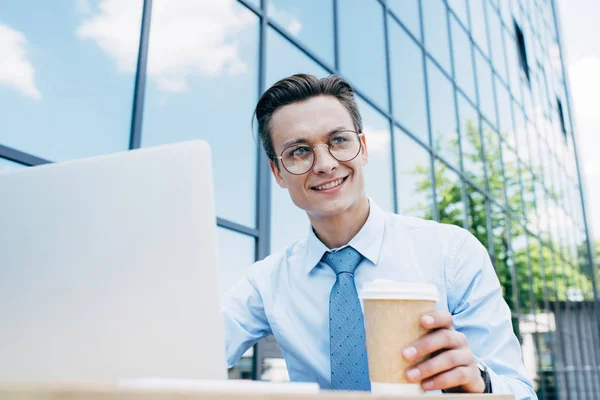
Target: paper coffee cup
(392, 312)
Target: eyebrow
(302, 140)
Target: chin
(331, 208)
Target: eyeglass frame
(359, 134)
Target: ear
(364, 151)
(277, 174)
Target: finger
(434, 341)
(458, 376)
(441, 363)
(436, 320)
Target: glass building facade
(464, 102)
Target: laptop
(108, 269)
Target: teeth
(330, 185)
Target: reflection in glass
(448, 186)
(288, 222)
(463, 59)
(378, 171)
(505, 116)
(478, 24)
(512, 180)
(236, 255)
(408, 83)
(444, 132)
(520, 247)
(521, 136)
(408, 12)
(207, 90)
(470, 142)
(362, 48)
(460, 9)
(66, 87)
(309, 21)
(485, 88)
(436, 32)
(493, 159)
(512, 64)
(495, 30)
(477, 216)
(502, 256)
(413, 177)
(284, 59)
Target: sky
(581, 52)
(69, 85)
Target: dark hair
(297, 88)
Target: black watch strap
(485, 375)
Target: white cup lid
(393, 290)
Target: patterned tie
(349, 366)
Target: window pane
(66, 87)
(521, 136)
(486, 89)
(496, 43)
(408, 83)
(513, 184)
(207, 90)
(408, 12)
(501, 254)
(493, 158)
(310, 21)
(284, 59)
(436, 32)
(463, 59)
(470, 142)
(288, 222)
(451, 207)
(362, 48)
(413, 177)
(378, 171)
(513, 65)
(478, 24)
(505, 120)
(460, 9)
(477, 215)
(236, 254)
(6, 165)
(444, 131)
(505, 11)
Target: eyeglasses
(344, 146)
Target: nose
(324, 161)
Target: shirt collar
(367, 241)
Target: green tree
(530, 273)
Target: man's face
(312, 121)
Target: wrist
(485, 375)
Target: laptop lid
(108, 269)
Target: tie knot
(345, 260)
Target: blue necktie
(349, 366)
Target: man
(311, 130)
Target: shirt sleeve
(482, 315)
(244, 319)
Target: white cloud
(585, 86)
(83, 7)
(286, 19)
(187, 38)
(378, 140)
(16, 70)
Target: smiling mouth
(330, 185)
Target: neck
(337, 230)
